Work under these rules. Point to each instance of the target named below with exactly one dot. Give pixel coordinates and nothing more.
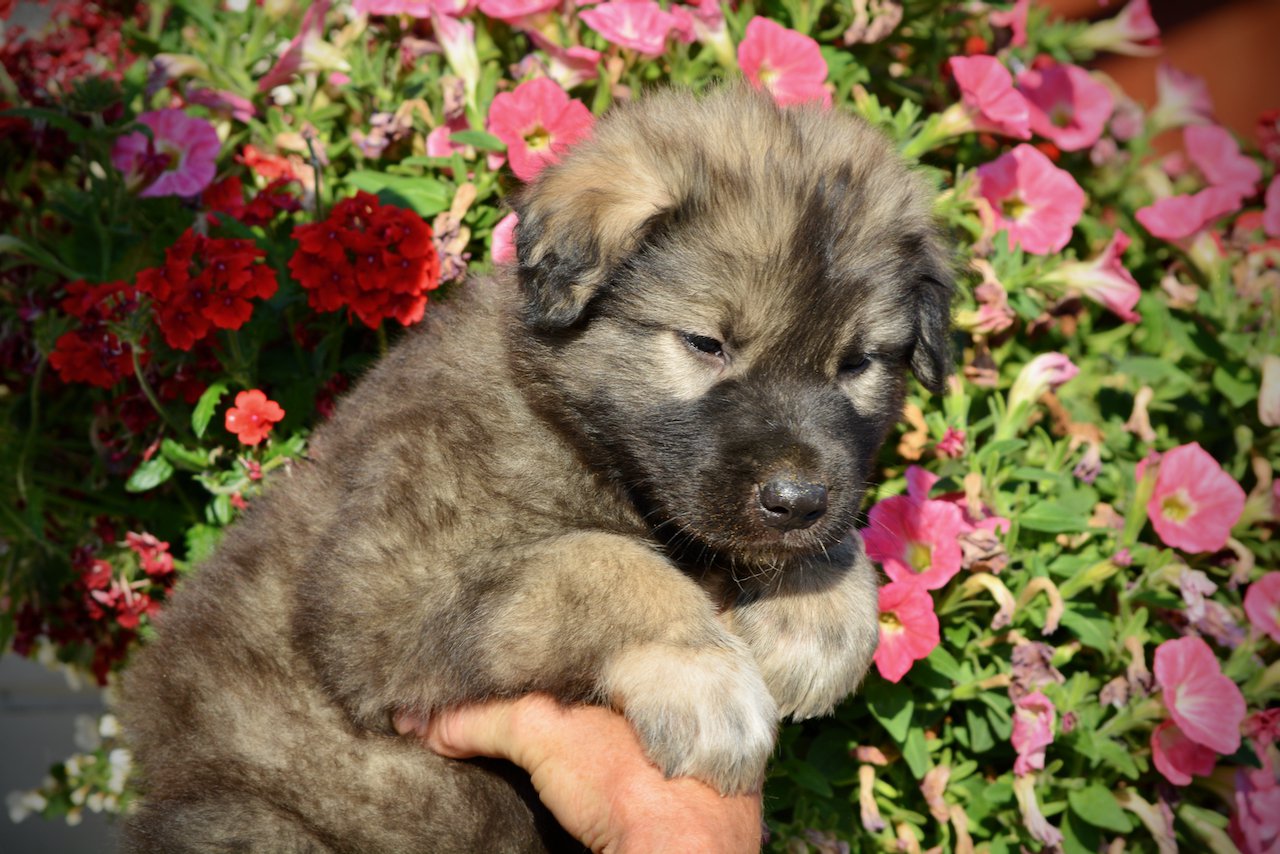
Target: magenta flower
(515, 11)
(787, 63)
(1206, 705)
(1037, 203)
(1105, 279)
(908, 628)
(180, 158)
(1133, 32)
(1067, 106)
(538, 122)
(1195, 502)
(1177, 218)
(1015, 18)
(1033, 717)
(503, 246)
(1262, 605)
(1181, 99)
(1216, 154)
(1179, 758)
(1271, 214)
(987, 98)
(641, 25)
(915, 540)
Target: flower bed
(217, 217)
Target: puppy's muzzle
(791, 505)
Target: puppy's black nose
(789, 505)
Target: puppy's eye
(855, 365)
(703, 344)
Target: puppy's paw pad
(703, 713)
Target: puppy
(626, 472)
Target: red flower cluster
(92, 353)
(376, 260)
(78, 40)
(205, 283)
(227, 196)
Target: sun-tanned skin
(583, 477)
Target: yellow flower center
(889, 622)
(920, 556)
(1177, 507)
(1014, 208)
(538, 139)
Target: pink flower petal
(1206, 705)
(787, 63)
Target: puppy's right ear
(578, 220)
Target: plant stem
(151, 396)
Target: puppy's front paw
(700, 712)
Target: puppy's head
(721, 300)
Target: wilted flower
(1133, 32)
(1179, 758)
(1195, 502)
(1024, 789)
(1206, 705)
(1181, 99)
(1044, 373)
(1262, 605)
(933, 786)
(179, 159)
(1033, 717)
(1005, 602)
(1037, 203)
(873, 21)
(539, 122)
(1194, 585)
(1066, 105)
(787, 63)
(868, 809)
(1032, 667)
(908, 628)
(641, 25)
(1090, 464)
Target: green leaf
(945, 663)
(892, 706)
(478, 139)
(1090, 625)
(38, 256)
(1238, 392)
(1096, 805)
(184, 457)
(73, 129)
(807, 776)
(829, 756)
(425, 196)
(916, 752)
(980, 738)
(1078, 837)
(205, 407)
(201, 541)
(149, 475)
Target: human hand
(590, 771)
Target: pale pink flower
(787, 63)
(539, 122)
(1105, 279)
(1194, 586)
(503, 246)
(1177, 218)
(1206, 705)
(458, 42)
(307, 51)
(916, 541)
(1195, 503)
(568, 66)
(1179, 758)
(1262, 605)
(1133, 32)
(1015, 18)
(180, 158)
(1033, 717)
(1271, 214)
(438, 142)
(1255, 827)
(987, 96)
(908, 628)
(1067, 106)
(1269, 391)
(993, 313)
(1046, 372)
(1182, 98)
(515, 11)
(641, 25)
(1037, 203)
(1217, 155)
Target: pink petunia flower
(1182, 99)
(1132, 32)
(1271, 214)
(1033, 717)
(1262, 605)
(1015, 18)
(908, 628)
(1105, 279)
(988, 100)
(1195, 502)
(787, 63)
(538, 122)
(515, 11)
(568, 66)
(307, 51)
(222, 102)
(1206, 705)
(915, 540)
(1067, 106)
(1177, 218)
(641, 25)
(180, 158)
(1255, 826)
(1037, 203)
(1046, 372)
(503, 246)
(1179, 758)
(1216, 154)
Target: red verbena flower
(1066, 105)
(908, 628)
(539, 122)
(787, 63)
(377, 261)
(1195, 502)
(1179, 758)
(91, 353)
(1206, 705)
(253, 416)
(153, 554)
(1037, 203)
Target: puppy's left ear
(577, 221)
(931, 354)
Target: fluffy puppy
(625, 472)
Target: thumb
(478, 730)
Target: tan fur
(547, 487)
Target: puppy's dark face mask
(729, 337)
